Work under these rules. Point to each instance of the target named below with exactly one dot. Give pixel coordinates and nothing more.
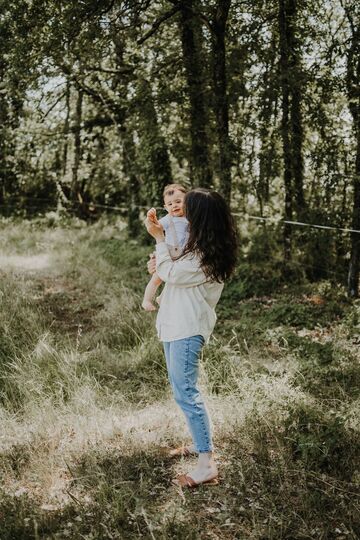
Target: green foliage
(253, 280)
(139, 91)
(323, 442)
(261, 271)
(321, 251)
(295, 313)
(311, 351)
(326, 369)
(352, 321)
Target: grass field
(86, 412)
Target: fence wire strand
(271, 220)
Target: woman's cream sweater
(187, 306)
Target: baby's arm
(152, 218)
(151, 215)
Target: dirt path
(26, 263)
(61, 300)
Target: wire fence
(302, 224)
(73, 206)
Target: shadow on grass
(113, 496)
(267, 494)
(275, 493)
(326, 371)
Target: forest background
(103, 103)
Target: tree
(353, 92)
(291, 123)
(194, 63)
(221, 104)
(153, 146)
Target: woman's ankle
(206, 459)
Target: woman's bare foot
(205, 469)
(203, 474)
(148, 306)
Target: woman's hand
(151, 264)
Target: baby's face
(174, 203)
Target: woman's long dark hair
(212, 233)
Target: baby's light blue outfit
(176, 231)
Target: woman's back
(188, 301)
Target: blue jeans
(182, 360)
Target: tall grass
(86, 410)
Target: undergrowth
(86, 409)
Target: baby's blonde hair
(170, 188)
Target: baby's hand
(151, 215)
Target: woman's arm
(185, 272)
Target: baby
(175, 226)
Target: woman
(186, 317)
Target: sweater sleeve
(185, 272)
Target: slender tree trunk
(194, 60)
(3, 122)
(353, 91)
(77, 147)
(130, 167)
(285, 127)
(10, 108)
(267, 157)
(66, 127)
(297, 132)
(133, 187)
(354, 267)
(158, 169)
(221, 103)
(96, 159)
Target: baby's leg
(150, 292)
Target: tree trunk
(191, 39)
(130, 166)
(354, 266)
(267, 157)
(296, 90)
(221, 103)
(10, 108)
(353, 91)
(3, 121)
(66, 127)
(129, 158)
(285, 127)
(77, 148)
(158, 167)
